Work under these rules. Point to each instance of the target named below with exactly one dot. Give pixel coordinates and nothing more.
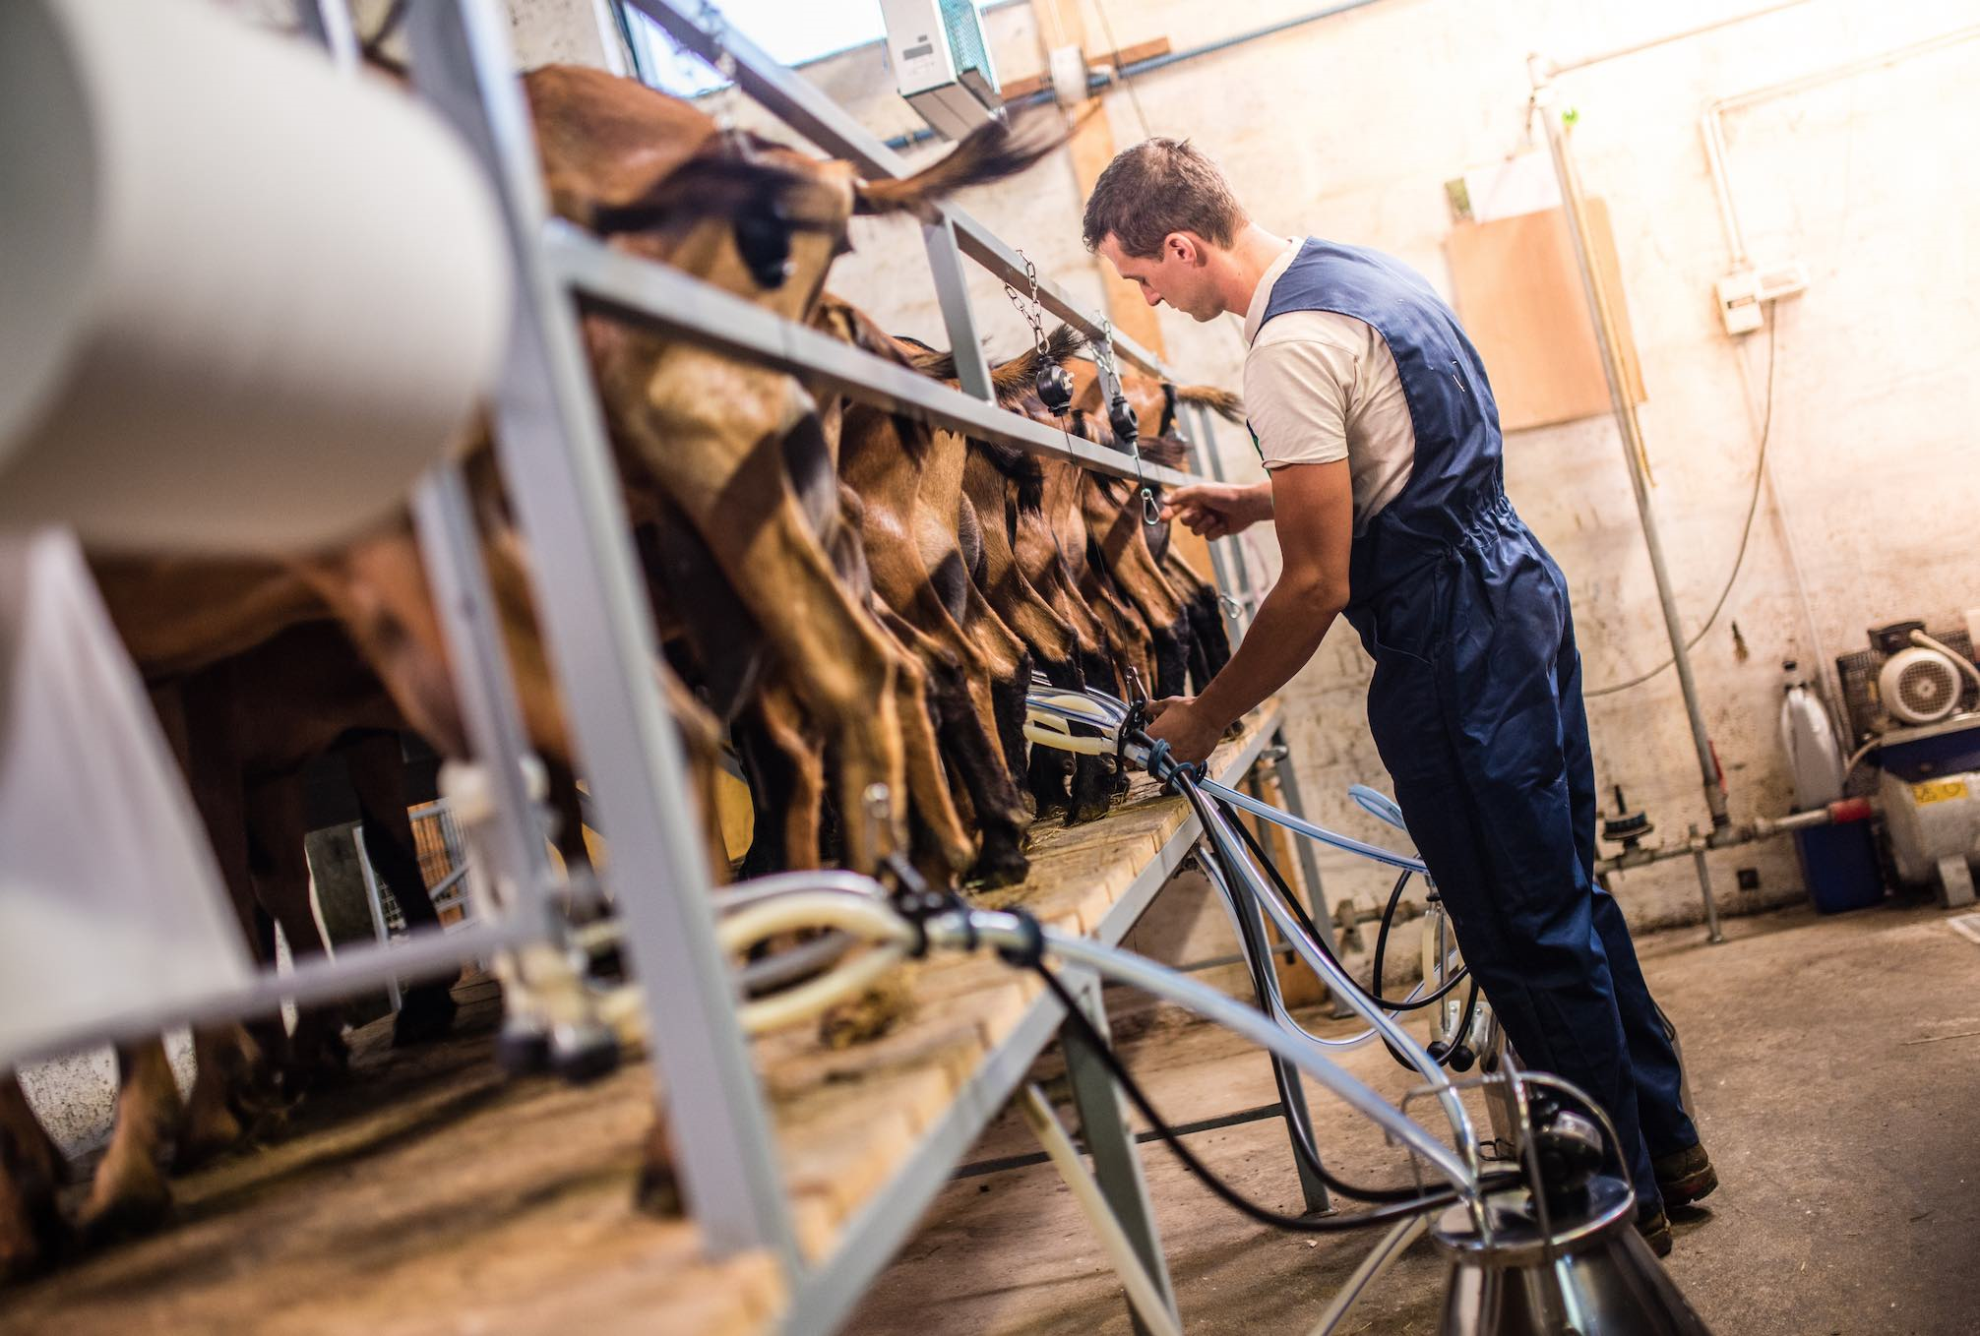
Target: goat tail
(990, 153)
(1223, 403)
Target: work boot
(1655, 1227)
(1685, 1176)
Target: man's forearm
(1290, 625)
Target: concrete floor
(1835, 1065)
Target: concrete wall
(1347, 127)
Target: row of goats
(845, 597)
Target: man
(1371, 412)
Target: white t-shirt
(1320, 386)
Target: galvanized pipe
(1624, 406)
(1712, 933)
(1551, 68)
(1098, 83)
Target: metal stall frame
(553, 449)
(554, 454)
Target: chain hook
(722, 103)
(1121, 418)
(1054, 386)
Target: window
(791, 31)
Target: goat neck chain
(1032, 311)
(723, 102)
(1103, 358)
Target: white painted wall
(1348, 128)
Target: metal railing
(555, 458)
(556, 462)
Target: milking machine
(1536, 1226)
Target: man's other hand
(1178, 721)
(1216, 509)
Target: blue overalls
(1476, 708)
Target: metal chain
(1103, 357)
(722, 103)
(1033, 313)
(1103, 353)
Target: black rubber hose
(1459, 1035)
(1379, 1215)
(1313, 932)
(1303, 1142)
(1381, 944)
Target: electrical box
(942, 63)
(1743, 292)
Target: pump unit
(942, 63)
(1906, 679)
(1914, 707)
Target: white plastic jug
(1814, 757)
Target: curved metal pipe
(1300, 826)
(1002, 929)
(1233, 857)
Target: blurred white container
(244, 301)
(1815, 759)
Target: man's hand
(1216, 509)
(1178, 721)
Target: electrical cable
(1120, 68)
(1745, 534)
(1084, 1031)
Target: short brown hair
(1157, 187)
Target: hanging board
(1520, 296)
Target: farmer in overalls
(1371, 412)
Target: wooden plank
(434, 1195)
(1026, 85)
(847, 1120)
(1134, 54)
(1520, 295)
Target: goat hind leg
(232, 1093)
(128, 1195)
(32, 1231)
(928, 784)
(426, 1008)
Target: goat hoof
(211, 1130)
(318, 1059)
(127, 1201)
(522, 1048)
(426, 1013)
(994, 871)
(32, 1232)
(658, 1192)
(581, 1054)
